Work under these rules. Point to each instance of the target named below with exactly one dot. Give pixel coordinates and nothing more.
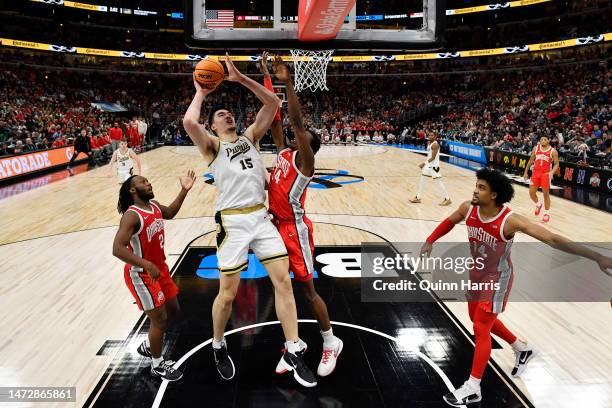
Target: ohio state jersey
(489, 245)
(543, 160)
(148, 241)
(287, 188)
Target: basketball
(209, 73)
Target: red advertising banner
(320, 20)
(22, 164)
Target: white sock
(443, 189)
(146, 342)
(421, 184)
(519, 345)
(156, 361)
(545, 211)
(475, 382)
(329, 341)
(218, 344)
(292, 346)
(538, 203)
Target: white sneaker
(522, 358)
(329, 358)
(466, 394)
(280, 367)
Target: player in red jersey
(289, 180)
(140, 244)
(541, 157)
(491, 226)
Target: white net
(311, 69)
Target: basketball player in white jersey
(431, 168)
(126, 160)
(542, 156)
(242, 218)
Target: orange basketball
(209, 73)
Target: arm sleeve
(442, 229)
(268, 85)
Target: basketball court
(70, 321)
(83, 327)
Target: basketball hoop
(311, 69)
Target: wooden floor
(62, 293)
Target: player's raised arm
(270, 101)
(446, 226)
(529, 163)
(207, 143)
(277, 125)
(169, 212)
(302, 136)
(518, 223)
(128, 226)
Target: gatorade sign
(320, 20)
(15, 166)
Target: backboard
(391, 25)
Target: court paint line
(437, 369)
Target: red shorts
(300, 247)
(150, 295)
(541, 180)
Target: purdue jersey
(436, 161)
(240, 175)
(124, 161)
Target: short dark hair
(499, 184)
(211, 114)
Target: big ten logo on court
(332, 261)
(322, 179)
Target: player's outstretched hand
(263, 64)
(232, 72)
(426, 249)
(605, 264)
(153, 271)
(199, 87)
(280, 69)
(188, 180)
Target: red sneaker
(546, 218)
(538, 209)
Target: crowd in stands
(507, 109)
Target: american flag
(220, 18)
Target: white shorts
(241, 229)
(433, 172)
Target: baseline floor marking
(437, 369)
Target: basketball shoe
(538, 209)
(416, 200)
(468, 393)
(301, 372)
(166, 371)
(144, 350)
(522, 358)
(224, 363)
(546, 217)
(280, 367)
(329, 358)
